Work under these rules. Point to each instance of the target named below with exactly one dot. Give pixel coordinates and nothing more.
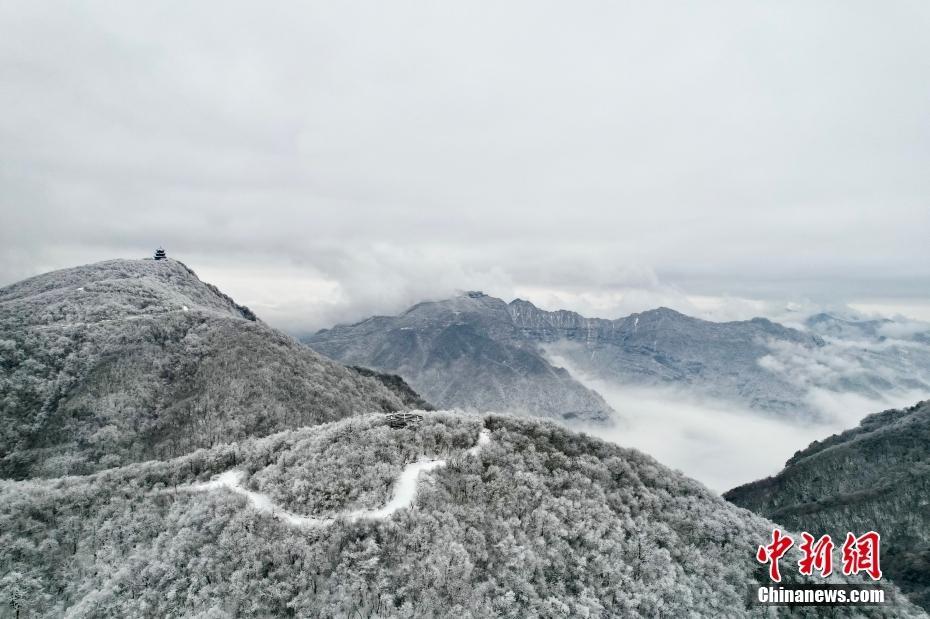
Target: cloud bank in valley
(724, 445)
(717, 443)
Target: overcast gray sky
(325, 161)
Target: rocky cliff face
(127, 360)
(873, 477)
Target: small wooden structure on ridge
(402, 420)
(160, 254)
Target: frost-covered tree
(542, 522)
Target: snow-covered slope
(128, 360)
(540, 522)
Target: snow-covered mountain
(873, 477)
(128, 360)
(507, 517)
(477, 351)
(665, 348)
(464, 352)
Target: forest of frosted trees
(543, 522)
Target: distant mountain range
(662, 347)
(873, 477)
(846, 327)
(128, 360)
(476, 351)
(465, 352)
(871, 357)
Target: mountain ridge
(660, 347)
(132, 359)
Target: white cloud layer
(720, 444)
(328, 160)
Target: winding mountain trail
(403, 495)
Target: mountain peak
(140, 359)
(666, 312)
(118, 288)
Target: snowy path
(484, 437)
(402, 497)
